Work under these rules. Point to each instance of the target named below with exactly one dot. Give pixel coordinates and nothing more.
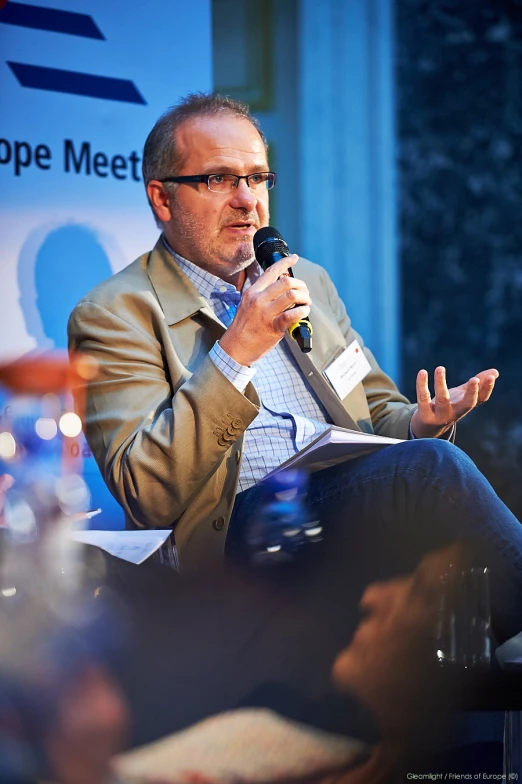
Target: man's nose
(243, 197)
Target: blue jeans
(382, 512)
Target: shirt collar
(207, 284)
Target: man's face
(215, 230)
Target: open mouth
(241, 226)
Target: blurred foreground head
(391, 661)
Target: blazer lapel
(178, 297)
(179, 300)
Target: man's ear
(159, 198)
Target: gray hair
(161, 158)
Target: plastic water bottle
(282, 529)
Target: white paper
(221, 749)
(132, 546)
(334, 446)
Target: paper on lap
(133, 546)
(335, 445)
(250, 745)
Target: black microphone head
(268, 243)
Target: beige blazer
(166, 427)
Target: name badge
(345, 372)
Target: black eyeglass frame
(206, 177)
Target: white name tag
(345, 372)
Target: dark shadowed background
(459, 134)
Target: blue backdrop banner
(79, 93)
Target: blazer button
(218, 524)
(237, 424)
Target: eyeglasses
(226, 183)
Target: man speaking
(202, 391)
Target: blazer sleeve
(390, 411)
(155, 449)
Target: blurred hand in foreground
(6, 481)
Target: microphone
(269, 247)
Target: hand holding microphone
(270, 247)
(273, 304)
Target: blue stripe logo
(58, 80)
(51, 19)
(76, 83)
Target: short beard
(193, 232)
(244, 255)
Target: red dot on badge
(356, 350)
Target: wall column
(347, 161)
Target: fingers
(274, 272)
(470, 398)
(280, 296)
(291, 302)
(485, 389)
(290, 317)
(437, 412)
(423, 392)
(487, 380)
(287, 292)
(447, 409)
(443, 408)
(478, 390)
(491, 372)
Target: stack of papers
(334, 446)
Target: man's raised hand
(434, 416)
(267, 309)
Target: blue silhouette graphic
(67, 264)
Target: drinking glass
(463, 633)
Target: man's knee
(441, 464)
(436, 455)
